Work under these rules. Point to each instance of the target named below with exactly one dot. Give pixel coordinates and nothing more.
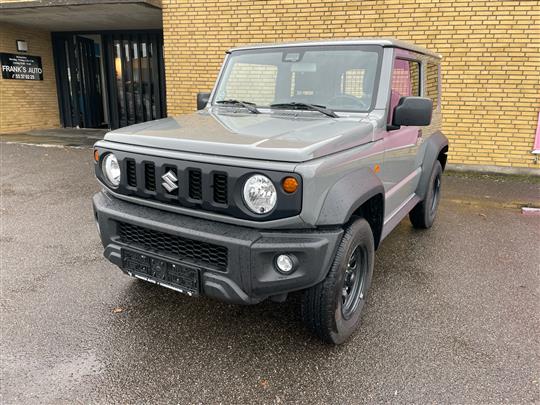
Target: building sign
(21, 67)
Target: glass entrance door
(109, 79)
(78, 77)
(136, 80)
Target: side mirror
(414, 111)
(202, 100)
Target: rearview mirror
(413, 111)
(202, 100)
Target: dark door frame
(79, 91)
(92, 101)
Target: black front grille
(220, 188)
(189, 185)
(195, 184)
(150, 176)
(131, 172)
(184, 249)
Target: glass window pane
(145, 82)
(128, 83)
(406, 78)
(137, 90)
(252, 82)
(341, 78)
(405, 82)
(352, 82)
(118, 72)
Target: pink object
(402, 137)
(530, 211)
(536, 148)
(401, 84)
(401, 79)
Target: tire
(423, 215)
(326, 309)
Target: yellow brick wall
(491, 49)
(28, 104)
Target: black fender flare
(347, 195)
(433, 147)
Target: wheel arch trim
(347, 196)
(436, 145)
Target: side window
(252, 82)
(405, 82)
(432, 83)
(406, 77)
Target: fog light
(285, 264)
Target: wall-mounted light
(22, 46)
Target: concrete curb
(523, 171)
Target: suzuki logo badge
(169, 181)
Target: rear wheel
(332, 308)
(423, 215)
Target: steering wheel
(347, 99)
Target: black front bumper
(249, 275)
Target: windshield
(340, 78)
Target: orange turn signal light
(96, 155)
(289, 184)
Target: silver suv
(299, 163)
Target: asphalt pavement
(452, 317)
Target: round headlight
(260, 194)
(111, 169)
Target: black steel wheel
(354, 283)
(332, 308)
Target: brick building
(136, 60)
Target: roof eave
(384, 42)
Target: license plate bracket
(170, 274)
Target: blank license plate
(176, 276)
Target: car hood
(276, 136)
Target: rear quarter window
(352, 82)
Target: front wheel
(332, 308)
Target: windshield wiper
(305, 106)
(251, 107)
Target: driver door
(400, 171)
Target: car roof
(385, 42)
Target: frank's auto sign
(21, 67)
